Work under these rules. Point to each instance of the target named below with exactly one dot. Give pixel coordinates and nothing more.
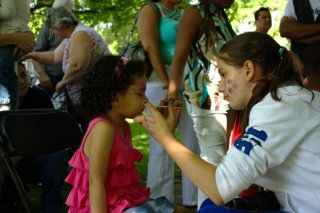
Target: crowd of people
(247, 109)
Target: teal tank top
(168, 30)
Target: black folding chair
(29, 133)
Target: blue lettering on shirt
(250, 139)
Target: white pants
(211, 133)
(161, 166)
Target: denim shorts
(160, 204)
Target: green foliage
(241, 15)
(113, 18)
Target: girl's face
(131, 102)
(235, 85)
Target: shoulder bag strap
(129, 37)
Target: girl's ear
(115, 102)
(250, 70)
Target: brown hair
(277, 64)
(208, 28)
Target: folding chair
(29, 133)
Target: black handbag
(135, 51)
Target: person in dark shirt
(50, 170)
(31, 97)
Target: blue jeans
(160, 204)
(9, 84)
(208, 206)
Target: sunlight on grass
(140, 141)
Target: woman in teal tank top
(168, 27)
(157, 27)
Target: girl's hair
(108, 77)
(277, 64)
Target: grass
(139, 140)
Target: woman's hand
(45, 81)
(163, 107)
(159, 127)
(60, 86)
(24, 41)
(27, 56)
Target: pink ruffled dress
(122, 182)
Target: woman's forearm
(75, 72)
(42, 57)
(158, 64)
(177, 69)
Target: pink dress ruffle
(122, 183)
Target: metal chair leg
(17, 182)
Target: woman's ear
(250, 70)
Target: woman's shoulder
(294, 102)
(150, 9)
(192, 17)
(193, 10)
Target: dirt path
(178, 194)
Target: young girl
(279, 147)
(104, 177)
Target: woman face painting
(236, 84)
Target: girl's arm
(80, 57)
(187, 33)
(199, 171)
(97, 148)
(149, 35)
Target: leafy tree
(113, 18)
(242, 16)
